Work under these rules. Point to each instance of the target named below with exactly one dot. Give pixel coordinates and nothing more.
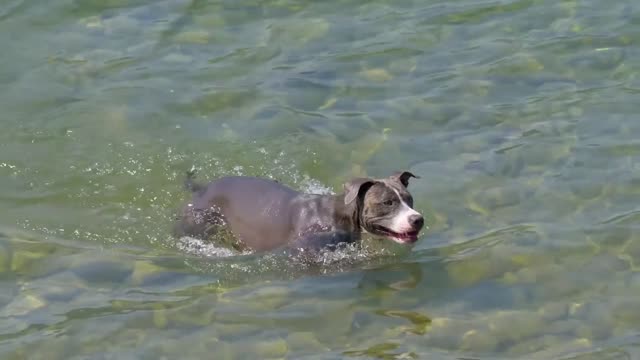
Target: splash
(231, 266)
(129, 196)
(203, 248)
(313, 186)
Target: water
(519, 116)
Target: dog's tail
(190, 184)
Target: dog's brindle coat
(264, 214)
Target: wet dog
(262, 214)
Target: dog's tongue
(408, 236)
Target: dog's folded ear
(354, 187)
(403, 177)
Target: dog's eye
(388, 203)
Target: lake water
(520, 116)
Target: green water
(520, 116)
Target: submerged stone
(634, 281)
(276, 348)
(160, 319)
(23, 261)
(624, 311)
(608, 353)
(23, 305)
(336, 322)
(420, 322)
(178, 58)
(230, 331)
(61, 293)
(470, 271)
(479, 341)
(122, 24)
(562, 349)
(23, 254)
(536, 344)
(98, 271)
(130, 337)
(60, 347)
(264, 297)
(494, 198)
(210, 20)
(446, 333)
(515, 326)
(563, 327)
(92, 22)
(5, 256)
(305, 342)
(632, 250)
(554, 311)
(328, 104)
(575, 111)
(407, 64)
(517, 64)
(146, 273)
(299, 32)
(193, 37)
(586, 190)
(377, 75)
(599, 59)
(194, 316)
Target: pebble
(262, 298)
(479, 341)
(230, 331)
(446, 333)
(178, 58)
(377, 75)
(470, 271)
(147, 273)
(562, 327)
(160, 319)
(193, 37)
(276, 348)
(497, 197)
(299, 31)
(305, 342)
(23, 305)
(22, 261)
(554, 311)
(5, 256)
(102, 270)
(515, 326)
(535, 345)
(517, 64)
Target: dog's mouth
(401, 238)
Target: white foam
(313, 186)
(201, 248)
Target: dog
(263, 215)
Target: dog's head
(385, 207)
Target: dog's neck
(347, 216)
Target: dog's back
(256, 210)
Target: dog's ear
(354, 186)
(403, 177)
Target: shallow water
(519, 116)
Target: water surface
(520, 116)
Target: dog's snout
(416, 221)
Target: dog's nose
(417, 221)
